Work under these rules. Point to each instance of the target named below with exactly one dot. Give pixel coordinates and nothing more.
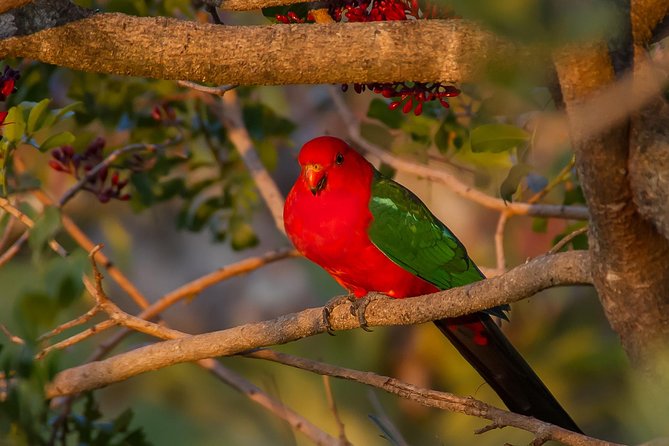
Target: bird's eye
(339, 159)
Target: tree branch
(570, 268)
(269, 191)
(433, 398)
(628, 254)
(164, 48)
(237, 382)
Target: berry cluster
(7, 87)
(410, 95)
(377, 10)
(291, 17)
(103, 185)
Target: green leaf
(15, 125)
(378, 109)
(57, 140)
(57, 115)
(512, 181)
(497, 138)
(36, 116)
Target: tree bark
(629, 255)
(164, 48)
(571, 268)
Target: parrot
(373, 235)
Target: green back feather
(405, 230)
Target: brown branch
(237, 382)
(525, 280)
(164, 48)
(12, 338)
(7, 231)
(249, 5)
(433, 398)
(343, 441)
(567, 238)
(186, 291)
(8, 207)
(218, 91)
(233, 121)
(443, 177)
(499, 242)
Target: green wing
(406, 231)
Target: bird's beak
(315, 177)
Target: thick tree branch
(163, 48)
(570, 268)
(628, 254)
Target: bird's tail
(485, 347)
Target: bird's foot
(330, 306)
(359, 306)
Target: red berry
(55, 165)
(7, 87)
(419, 109)
(408, 106)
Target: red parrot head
(327, 160)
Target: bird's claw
(330, 306)
(359, 306)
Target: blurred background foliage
(193, 208)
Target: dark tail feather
(485, 347)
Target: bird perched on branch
(373, 235)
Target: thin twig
(7, 232)
(562, 176)
(69, 324)
(12, 338)
(256, 394)
(15, 248)
(186, 291)
(333, 408)
(233, 121)
(218, 91)
(29, 223)
(382, 417)
(87, 244)
(437, 399)
(567, 238)
(443, 177)
(499, 241)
